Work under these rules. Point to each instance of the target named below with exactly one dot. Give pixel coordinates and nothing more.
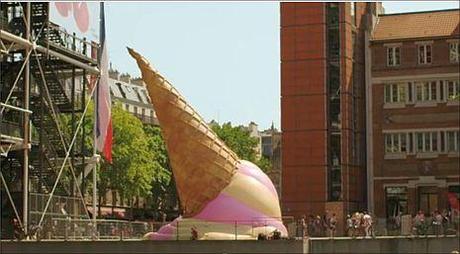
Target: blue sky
(222, 56)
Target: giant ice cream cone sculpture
(215, 188)
(196, 154)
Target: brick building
(413, 120)
(323, 116)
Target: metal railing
(62, 207)
(147, 119)
(83, 229)
(381, 227)
(11, 120)
(72, 43)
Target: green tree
(264, 163)
(164, 192)
(134, 165)
(239, 140)
(132, 170)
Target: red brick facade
(415, 158)
(305, 112)
(302, 108)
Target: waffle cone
(202, 164)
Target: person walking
(303, 225)
(317, 226)
(194, 233)
(332, 225)
(357, 224)
(17, 230)
(325, 224)
(445, 221)
(398, 222)
(310, 225)
(349, 229)
(367, 223)
(419, 223)
(437, 223)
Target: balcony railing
(70, 42)
(147, 119)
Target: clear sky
(222, 56)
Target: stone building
(132, 95)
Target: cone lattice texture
(202, 164)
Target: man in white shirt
(367, 224)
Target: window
(395, 93)
(454, 52)
(443, 141)
(452, 141)
(135, 109)
(353, 46)
(121, 91)
(333, 76)
(427, 141)
(441, 90)
(424, 54)
(333, 41)
(353, 13)
(410, 92)
(410, 146)
(333, 13)
(453, 90)
(395, 143)
(425, 91)
(427, 199)
(396, 200)
(393, 56)
(127, 107)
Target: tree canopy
(240, 141)
(139, 156)
(132, 170)
(140, 166)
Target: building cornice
(386, 79)
(374, 42)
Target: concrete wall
(151, 247)
(385, 245)
(316, 245)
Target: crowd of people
(317, 226)
(438, 223)
(364, 224)
(360, 224)
(357, 224)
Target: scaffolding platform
(45, 70)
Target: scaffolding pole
(26, 128)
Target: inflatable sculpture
(222, 197)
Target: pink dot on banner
(81, 16)
(64, 8)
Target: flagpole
(95, 162)
(96, 98)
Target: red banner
(453, 201)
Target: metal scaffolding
(44, 99)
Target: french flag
(103, 123)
